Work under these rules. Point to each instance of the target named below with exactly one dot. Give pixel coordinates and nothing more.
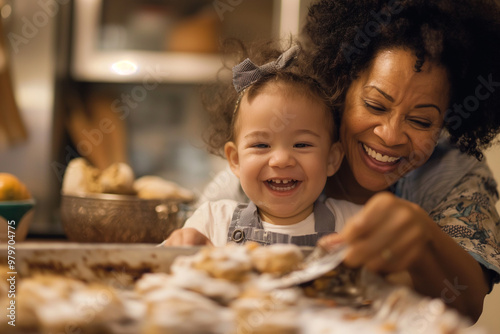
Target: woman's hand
(391, 235)
(186, 237)
(388, 235)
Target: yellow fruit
(11, 189)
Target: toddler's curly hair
(220, 98)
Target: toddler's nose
(282, 158)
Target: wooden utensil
(98, 133)
(12, 128)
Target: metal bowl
(118, 218)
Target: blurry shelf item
(145, 66)
(153, 41)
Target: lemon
(11, 189)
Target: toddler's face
(283, 153)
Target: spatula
(316, 264)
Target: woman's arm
(448, 272)
(390, 235)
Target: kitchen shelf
(94, 64)
(146, 66)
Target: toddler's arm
(186, 237)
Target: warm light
(6, 11)
(124, 67)
(290, 14)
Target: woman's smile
(377, 161)
(380, 157)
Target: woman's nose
(281, 158)
(391, 132)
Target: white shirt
(212, 219)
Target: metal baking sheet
(119, 265)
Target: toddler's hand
(186, 237)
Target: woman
(407, 73)
(416, 83)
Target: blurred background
(136, 64)
(68, 64)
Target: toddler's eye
(301, 145)
(260, 145)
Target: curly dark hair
(463, 36)
(220, 98)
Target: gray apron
(246, 225)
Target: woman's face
(392, 118)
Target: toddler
(275, 129)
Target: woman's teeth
(378, 156)
(282, 185)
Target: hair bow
(246, 72)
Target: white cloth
(212, 219)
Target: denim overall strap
(246, 225)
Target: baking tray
(119, 265)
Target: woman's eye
(374, 107)
(421, 123)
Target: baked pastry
(155, 187)
(231, 263)
(220, 290)
(150, 282)
(277, 258)
(268, 312)
(55, 303)
(118, 178)
(173, 310)
(80, 178)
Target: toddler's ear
(231, 153)
(335, 158)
